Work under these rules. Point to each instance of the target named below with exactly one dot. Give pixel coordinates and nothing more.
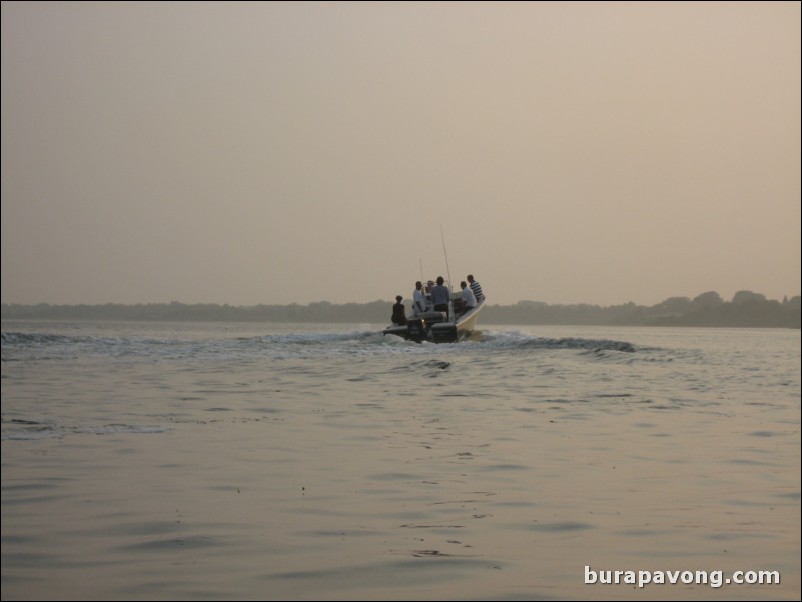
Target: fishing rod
(451, 315)
(443, 238)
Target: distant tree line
(323, 311)
(747, 309)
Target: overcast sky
(251, 153)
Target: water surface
(263, 461)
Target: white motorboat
(436, 326)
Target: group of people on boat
(436, 296)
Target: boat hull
(437, 330)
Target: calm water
(248, 461)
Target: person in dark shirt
(399, 312)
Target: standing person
(427, 293)
(440, 296)
(399, 313)
(418, 299)
(476, 288)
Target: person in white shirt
(467, 295)
(467, 301)
(427, 292)
(418, 299)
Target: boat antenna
(443, 238)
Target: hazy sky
(297, 152)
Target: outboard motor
(416, 330)
(445, 333)
(419, 329)
(433, 317)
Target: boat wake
(51, 428)
(360, 341)
(516, 340)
